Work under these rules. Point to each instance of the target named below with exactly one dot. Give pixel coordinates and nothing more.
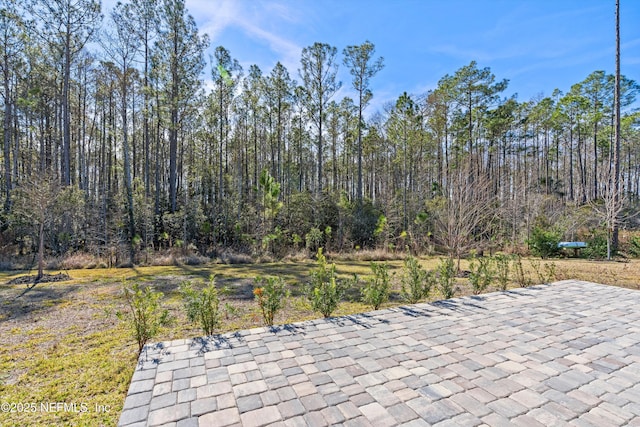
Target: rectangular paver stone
(333, 415)
(226, 417)
(507, 407)
(401, 413)
(291, 409)
(434, 412)
(261, 417)
(248, 389)
(169, 414)
(313, 402)
(470, 404)
(249, 403)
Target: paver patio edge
(562, 352)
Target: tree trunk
(41, 252)
(220, 149)
(571, 188)
(173, 133)
(7, 136)
(360, 146)
(595, 158)
(319, 186)
(616, 152)
(127, 168)
(66, 119)
(145, 116)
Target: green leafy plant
(502, 270)
(546, 272)
(145, 316)
(325, 291)
(634, 246)
(229, 311)
(273, 240)
(544, 241)
(481, 274)
(596, 246)
(313, 238)
(376, 291)
(271, 296)
(447, 277)
(416, 282)
(550, 268)
(296, 240)
(521, 277)
(203, 306)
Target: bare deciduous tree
(32, 205)
(462, 214)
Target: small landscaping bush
(416, 282)
(546, 272)
(502, 270)
(521, 277)
(447, 277)
(325, 291)
(145, 317)
(203, 305)
(271, 296)
(376, 291)
(481, 274)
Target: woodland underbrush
(15, 258)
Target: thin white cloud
(252, 18)
(213, 17)
(288, 51)
(283, 11)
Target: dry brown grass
(615, 273)
(81, 260)
(228, 257)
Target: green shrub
(550, 269)
(145, 317)
(546, 272)
(271, 296)
(203, 306)
(446, 277)
(481, 274)
(634, 246)
(596, 246)
(521, 277)
(367, 224)
(325, 291)
(502, 270)
(313, 238)
(544, 241)
(416, 283)
(376, 291)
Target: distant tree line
(137, 153)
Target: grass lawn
(61, 343)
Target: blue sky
(538, 45)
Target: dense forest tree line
(136, 153)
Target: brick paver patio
(561, 354)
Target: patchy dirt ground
(34, 280)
